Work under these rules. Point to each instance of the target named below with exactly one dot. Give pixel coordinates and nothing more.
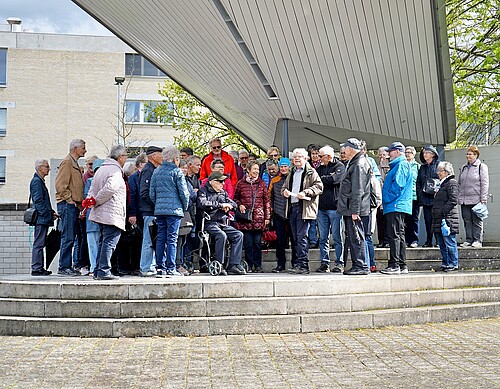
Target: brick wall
(15, 238)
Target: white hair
(40, 162)
(170, 153)
(328, 150)
(76, 143)
(300, 151)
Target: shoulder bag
(30, 216)
(247, 216)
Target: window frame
(3, 178)
(144, 63)
(3, 66)
(143, 109)
(3, 122)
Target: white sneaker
(174, 273)
(476, 244)
(465, 244)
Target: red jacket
(244, 194)
(229, 168)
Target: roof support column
(285, 146)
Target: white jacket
(109, 190)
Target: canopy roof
(373, 69)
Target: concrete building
(54, 88)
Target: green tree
(195, 123)
(474, 40)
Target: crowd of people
(143, 218)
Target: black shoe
(278, 269)
(235, 270)
(338, 268)
(450, 269)
(41, 272)
(204, 269)
(382, 245)
(391, 270)
(258, 269)
(324, 268)
(108, 277)
(300, 270)
(442, 268)
(428, 245)
(356, 272)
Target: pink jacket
(109, 190)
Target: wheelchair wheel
(244, 264)
(214, 268)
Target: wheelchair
(204, 254)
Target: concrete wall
(15, 240)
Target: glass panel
(132, 64)
(3, 121)
(149, 69)
(3, 66)
(132, 111)
(3, 163)
(149, 115)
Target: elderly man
(354, 204)
(46, 216)
(215, 201)
(218, 153)
(302, 188)
(331, 172)
(193, 169)
(243, 158)
(396, 203)
(147, 209)
(109, 212)
(69, 196)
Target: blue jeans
(147, 250)
(300, 229)
(93, 245)
(448, 248)
(67, 225)
(168, 232)
(370, 250)
(108, 239)
(312, 235)
(329, 222)
(252, 241)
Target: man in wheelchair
(215, 201)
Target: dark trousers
(284, 234)
(252, 242)
(395, 231)
(356, 241)
(428, 224)
(411, 223)
(39, 241)
(300, 229)
(221, 233)
(381, 226)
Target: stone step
(245, 306)
(187, 326)
(253, 285)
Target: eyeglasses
(321, 155)
(46, 166)
(243, 157)
(216, 147)
(273, 155)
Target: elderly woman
(473, 185)
(411, 221)
(169, 193)
(445, 208)
(251, 193)
(110, 194)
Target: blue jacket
(135, 196)
(398, 185)
(41, 201)
(91, 226)
(168, 190)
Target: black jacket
(426, 171)
(446, 206)
(210, 201)
(354, 195)
(146, 206)
(331, 176)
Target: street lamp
(118, 82)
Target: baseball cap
(284, 162)
(396, 146)
(216, 176)
(353, 143)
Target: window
(142, 112)
(3, 67)
(137, 65)
(3, 170)
(3, 121)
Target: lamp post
(118, 82)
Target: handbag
(30, 216)
(481, 210)
(247, 216)
(431, 185)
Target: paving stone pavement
(439, 355)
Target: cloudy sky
(55, 16)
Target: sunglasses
(216, 147)
(273, 155)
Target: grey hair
(170, 153)
(271, 163)
(40, 162)
(328, 150)
(141, 158)
(216, 139)
(76, 143)
(244, 152)
(446, 167)
(183, 162)
(129, 168)
(116, 151)
(412, 149)
(300, 151)
(191, 159)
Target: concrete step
(187, 326)
(253, 285)
(245, 306)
